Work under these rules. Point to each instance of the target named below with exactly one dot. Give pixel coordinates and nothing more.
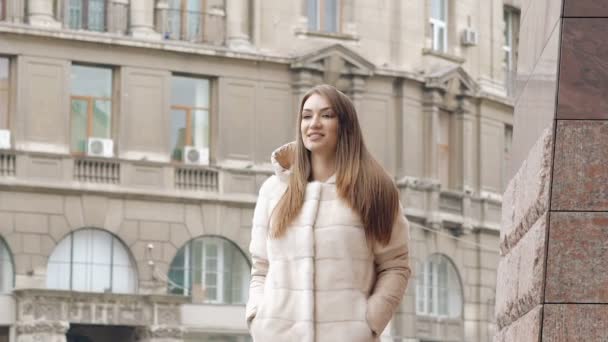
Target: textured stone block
(525, 329)
(30, 202)
(73, 212)
(575, 322)
(520, 276)
(577, 270)
(194, 220)
(58, 227)
(114, 215)
(583, 79)
(31, 243)
(94, 210)
(580, 176)
(7, 223)
(179, 235)
(31, 223)
(154, 231)
(129, 231)
(530, 193)
(585, 8)
(154, 211)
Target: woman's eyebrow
(320, 110)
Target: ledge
(443, 55)
(321, 34)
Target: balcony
(194, 27)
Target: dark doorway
(3, 334)
(100, 333)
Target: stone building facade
(135, 135)
(552, 274)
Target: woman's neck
(322, 166)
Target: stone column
(47, 331)
(238, 24)
(142, 19)
(431, 100)
(41, 13)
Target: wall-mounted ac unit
(99, 147)
(5, 139)
(196, 156)
(470, 37)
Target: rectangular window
(4, 91)
(511, 30)
(185, 20)
(189, 114)
(439, 22)
(3, 9)
(507, 155)
(87, 15)
(324, 15)
(91, 105)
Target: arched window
(213, 265)
(438, 288)
(91, 260)
(6, 268)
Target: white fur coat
(321, 282)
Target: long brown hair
(360, 179)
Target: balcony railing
(196, 27)
(95, 15)
(7, 163)
(190, 178)
(97, 171)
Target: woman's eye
(306, 116)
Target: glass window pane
(58, 273)
(200, 128)
(330, 15)
(225, 270)
(6, 269)
(91, 81)
(79, 125)
(97, 15)
(191, 92)
(102, 114)
(4, 92)
(438, 9)
(312, 10)
(178, 133)
(75, 14)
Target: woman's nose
(316, 120)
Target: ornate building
(135, 134)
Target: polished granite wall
(553, 274)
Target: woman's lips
(315, 136)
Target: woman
(329, 242)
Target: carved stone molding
(42, 327)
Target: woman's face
(319, 126)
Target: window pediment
(334, 61)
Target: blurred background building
(135, 134)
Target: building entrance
(100, 333)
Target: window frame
(428, 298)
(114, 240)
(190, 112)
(3, 9)
(11, 263)
(91, 100)
(188, 267)
(6, 123)
(85, 15)
(320, 18)
(436, 24)
(184, 20)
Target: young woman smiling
(329, 242)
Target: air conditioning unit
(5, 139)
(99, 147)
(196, 156)
(470, 37)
